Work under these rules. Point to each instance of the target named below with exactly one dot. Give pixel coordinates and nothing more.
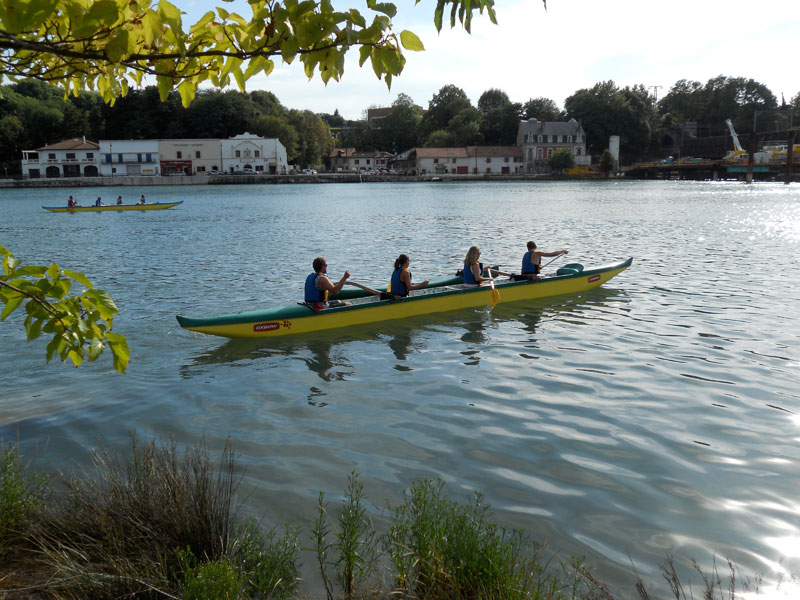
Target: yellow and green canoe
(149, 206)
(440, 296)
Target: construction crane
(738, 150)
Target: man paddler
(319, 288)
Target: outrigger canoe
(440, 296)
(149, 206)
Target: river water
(657, 414)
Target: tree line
(33, 114)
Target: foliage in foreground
(110, 45)
(80, 325)
(160, 523)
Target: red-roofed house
(77, 157)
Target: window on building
(90, 156)
(530, 153)
(435, 161)
(139, 157)
(70, 156)
(257, 154)
(108, 158)
(505, 159)
(356, 161)
(51, 156)
(549, 153)
(179, 154)
(247, 153)
(578, 151)
(488, 160)
(149, 157)
(238, 154)
(197, 154)
(569, 138)
(119, 157)
(539, 138)
(539, 153)
(454, 161)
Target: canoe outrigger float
(150, 206)
(440, 296)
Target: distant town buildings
(466, 160)
(247, 152)
(349, 160)
(539, 139)
(251, 154)
(78, 157)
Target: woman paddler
(400, 284)
(473, 269)
(319, 288)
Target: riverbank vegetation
(159, 522)
(33, 114)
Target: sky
(572, 45)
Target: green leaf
(103, 302)
(363, 55)
(11, 306)
(52, 347)
(117, 47)
(151, 27)
(34, 329)
(204, 20)
(53, 271)
(95, 349)
(120, 351)
(105, 11)
(187, 90)
(79, 277)
(164, 86)
(30, 271)
(386, 8)
(76, 357)
(411, 41)
(357, 18)
(170, 13)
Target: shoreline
(159, 180)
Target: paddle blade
(495, 297)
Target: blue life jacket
(468, 276)
(528, 266)
(397, 287)
(312, 293)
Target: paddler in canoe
(473, 273)
(319, 289)
(400, 284)
(532, 260)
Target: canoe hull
(113, 207)
(294, 320)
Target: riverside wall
(151, 180)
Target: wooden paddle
(363, 287)
(548, 262)
(495, 291)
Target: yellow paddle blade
(495, 296)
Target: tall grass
(442, 549)
(161, 523)
(22, 496)
(353, 555)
